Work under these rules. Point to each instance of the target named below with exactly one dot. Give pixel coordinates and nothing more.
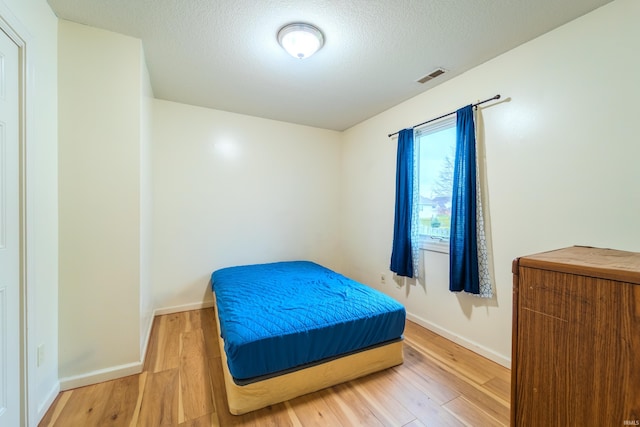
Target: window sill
(434, 245)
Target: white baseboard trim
(100, 375)
(184, 307)
(115, 372)
(44, 406)
(464, 342)
(147, 338)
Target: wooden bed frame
(247, 398)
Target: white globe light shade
(300, 40)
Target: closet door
(11, 391)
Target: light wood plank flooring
(439, 384)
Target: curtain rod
(448, 114)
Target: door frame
(21, 37)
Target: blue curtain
(401, 255)
(463, 251)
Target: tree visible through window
(436, 144)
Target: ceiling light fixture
(300, 40)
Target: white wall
(232, 189)
(35, 23)
(561, 167)
(103, 237)
(146, 207)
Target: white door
(10, 355)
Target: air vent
(432, 75)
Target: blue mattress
(281, 316)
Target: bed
(290, 328)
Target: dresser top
(586, 261)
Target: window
(436, 150)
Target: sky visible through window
(434, 148)
(436, 157)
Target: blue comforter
(274, 317)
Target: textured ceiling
(223, 54)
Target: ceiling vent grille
(432, 75)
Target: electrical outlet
(40, 355)
(383, 278)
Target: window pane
(437, 145)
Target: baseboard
(464, 342)
(100, 375)
(147, 338)
(184, 307)
(44, 406)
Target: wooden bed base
(247, 398)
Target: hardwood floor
(439, 384)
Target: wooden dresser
(576, 338)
